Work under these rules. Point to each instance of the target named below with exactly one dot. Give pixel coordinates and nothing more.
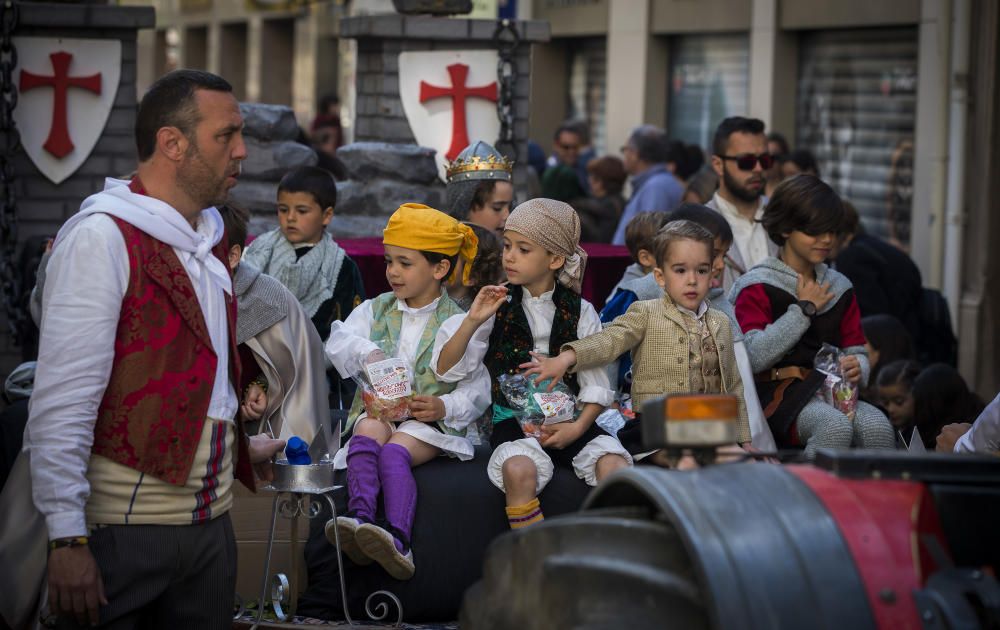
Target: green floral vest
(387, 322)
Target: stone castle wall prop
(381, 38)
(41, 205)
(381, 176)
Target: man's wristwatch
(808, 308)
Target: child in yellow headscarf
(422, 246)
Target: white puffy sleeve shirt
(595, 385)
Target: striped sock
(519, 516)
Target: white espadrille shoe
(347, 528)
(379, 545)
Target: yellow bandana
(419, 227)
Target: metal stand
(297, 491)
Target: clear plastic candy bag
(385, 385)
(835, 390)
(533, 406)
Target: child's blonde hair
(682, 230)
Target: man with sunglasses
(740, 159)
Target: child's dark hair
(234, 220)
(681, 231)
(806, 204)
(889, 336)
(940, 397)
(434, 258)
(487, 268)
(313, 180)
(641, 230)
(482, 195)
(707, 218)
(899, 372)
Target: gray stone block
(357, 226)
(54, 15)
(522, 108)
(422, 27)
(366, 161)
(129, 52)
(121, 121)
(389, 25)
(123, 145)
(390, 106)
(416, 45)
(394, 130)
(73, 190)
(482, 29)
(122, 166)
(271, 160)
(31, 210)
(100, 165)
(366, 105)
(126, 96)
(127, 73)
(390, 84)
(370, 83)
(255, 196)
(363, 127)
(269, 122)
(390, 62)
(381, 197)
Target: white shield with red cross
(66, 89)
(450, 99)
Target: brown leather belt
(780, 374)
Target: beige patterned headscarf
(555, 226)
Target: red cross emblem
(458, 92)
(59, 143)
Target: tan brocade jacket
(654, 331)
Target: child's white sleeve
(595, 384)
(474, 353)
(348, 342)
(468, 402)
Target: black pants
(178, 577)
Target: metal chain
(507, 40)
(10, 141)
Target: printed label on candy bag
(389, 378)
(556, 406)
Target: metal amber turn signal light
(690, 421)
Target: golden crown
(476, 167)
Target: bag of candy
(533, 406)
(385, 384)
(835, 390)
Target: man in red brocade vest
(133, 435)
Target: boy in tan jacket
(678, 343)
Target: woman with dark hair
(941, 397)
(894, 391)
(886, 340)
(788, 307)
(798, 162)
(599, 213)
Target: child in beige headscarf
(541, 256)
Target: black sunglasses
(747, 161)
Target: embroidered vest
(511, 339)
(387, 323)
(825, 327)
(155, 405)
